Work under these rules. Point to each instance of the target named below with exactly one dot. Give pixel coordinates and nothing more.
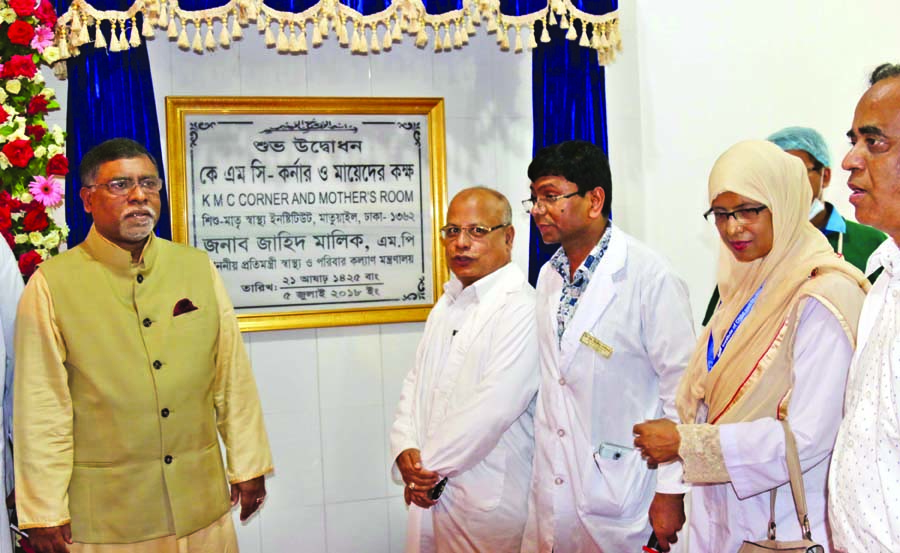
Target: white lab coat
(470, 413)
(724, 515)
(11, 286)
(637, 306)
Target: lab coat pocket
(481, 487)
(615, 487)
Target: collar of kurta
(116, 258)
(481, 287)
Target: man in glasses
(615, 333)
(463, 432)
(129, 359)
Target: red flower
(19, 66)
(29, 262)
(20, 33)
(46, 14)
(37, 105)
(9, 238)
(11, 203)
(35, 219)
(58, 165)
(3, 115)
(18, 152)
(5, 219)
(36, 132)
(23, 8)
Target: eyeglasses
(122, 187)
(744, 216)
(475, 232)
(545, 201)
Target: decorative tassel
(388, 41)
(117, 39)
(448, 43)
(163, 21)
(545, 35)
(395, 34)
(458, 37)
(563, 22)
(354, 40)
(603, 42)
(224, 36)
(196, 45)
(84, 35)
(323, 27)
(146, 28)
(595, 37)
(172, 30)
(551, 18)
(210, 41)
(437, 40)
(134, 39)
(261, 23)
(492, 23)
(571, 34)
(317, 34)
(282, 43)
(236, 31)
(421, 38)
(240, 17)
(270, 37)
(302, 48)
(63, 48)
(374, 45)
(183, 41)
(76, 22)
(252, 12)
(293, 43)
(470, 26)
(584, 35)
(362, 45)
(413, 26)
(518, 46)
(404, 23)
(611, 56)
(99, 39)
(342, 33)
(504, 39)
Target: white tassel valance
(448, 31)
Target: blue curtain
(568, 103)
(110, 96)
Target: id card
(596, 345)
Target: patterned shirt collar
(573, 288)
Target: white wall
(697, 76)
(329, 394)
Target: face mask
(817, 207)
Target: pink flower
(43, 37)
(46, 190)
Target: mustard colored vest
(146, 462)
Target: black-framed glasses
(475, 232)
(745, 215)
(122, 187)
(545, 201)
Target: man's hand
(658, 441)
(415, 476)
(667, 517)
(50, 540)
(421, 499)
(250, 493)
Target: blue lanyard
(711, 359)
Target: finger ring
(412, 485)
(260, 499)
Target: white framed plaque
(316, 211)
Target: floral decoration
(33, 164)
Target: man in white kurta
(615, 333)
(864, 482)
(10, 289)
(465, 412)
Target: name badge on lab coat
(596, 345)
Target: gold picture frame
(316, 128)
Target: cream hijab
(801, 264)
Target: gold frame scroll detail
(182, 113)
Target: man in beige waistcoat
(129, 359)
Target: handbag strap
(797, 489)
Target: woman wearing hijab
(778, 347)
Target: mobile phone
(652, 544)
(435, 492)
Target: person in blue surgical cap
(850, 239)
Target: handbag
(805, 545)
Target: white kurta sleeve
(510, 379)
(669, 339)
(11, 286)
(754, 452)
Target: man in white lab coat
(465, 419)
(615, 333)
